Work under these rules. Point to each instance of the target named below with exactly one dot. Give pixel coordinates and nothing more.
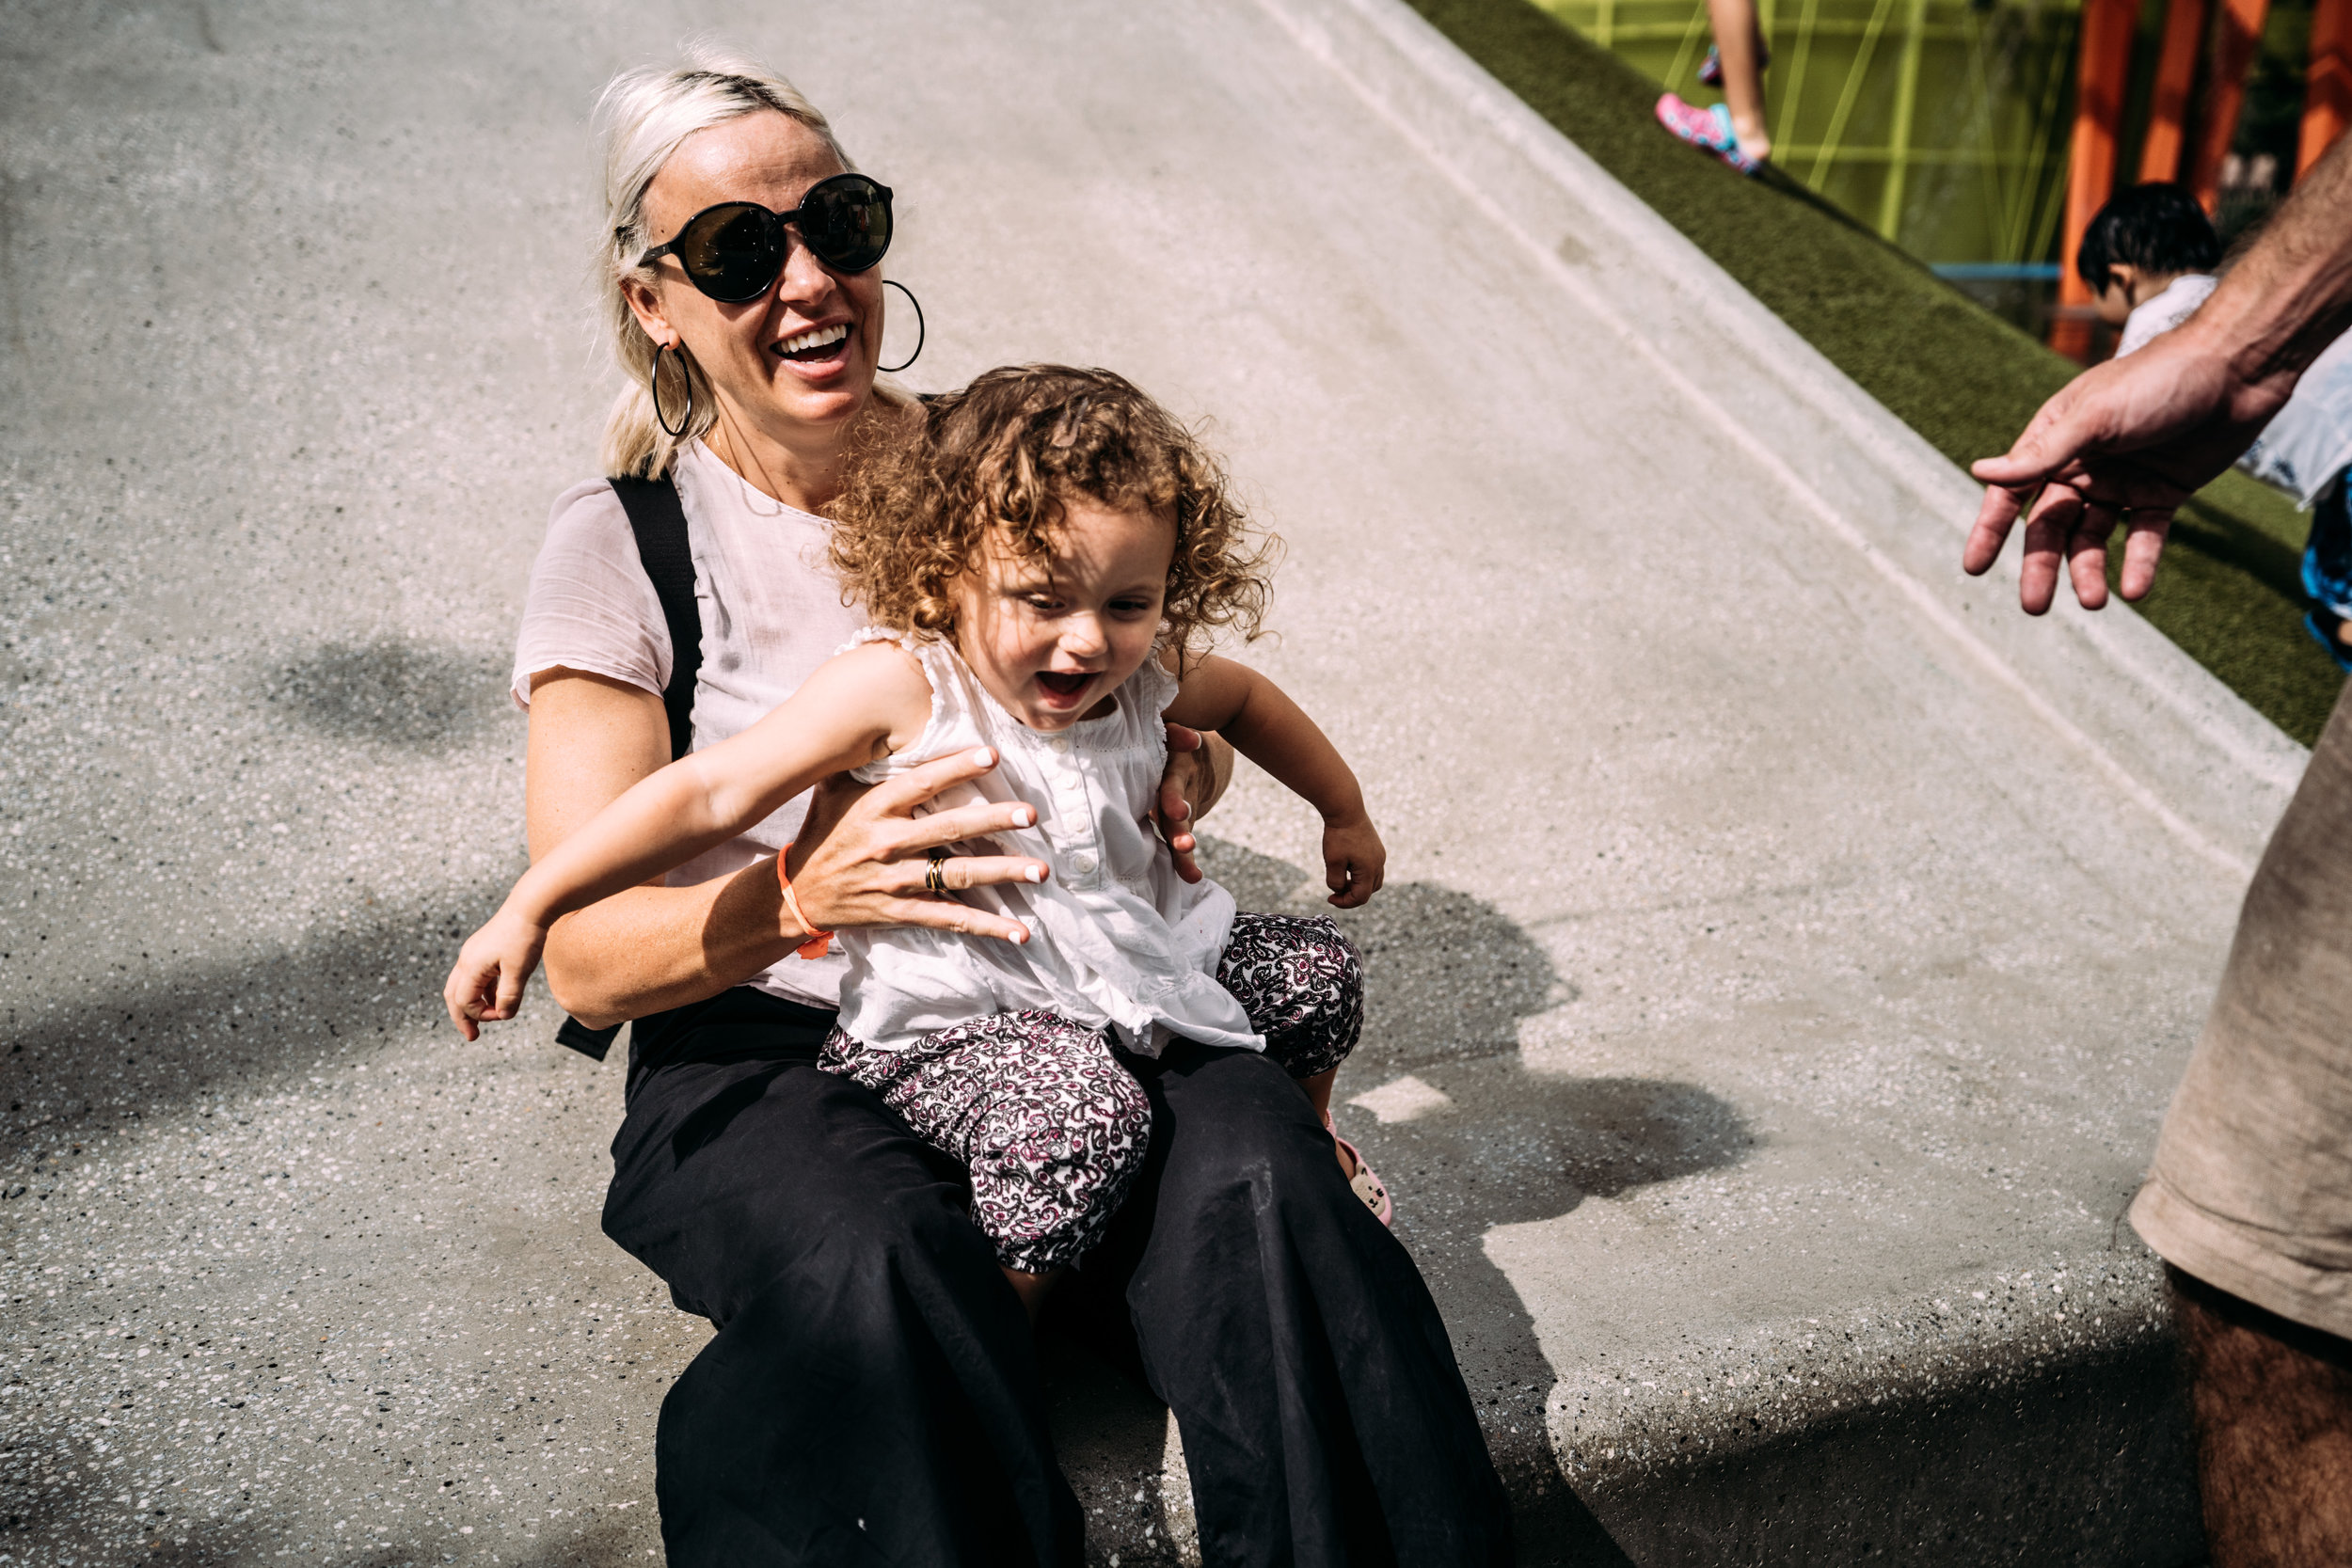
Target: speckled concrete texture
(1788, 950)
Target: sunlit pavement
(1787, 952)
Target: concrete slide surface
(1788, 949)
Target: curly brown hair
(1007, 453)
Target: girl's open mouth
(1064, 683)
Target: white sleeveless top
(1117, 938)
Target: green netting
(1941, 125)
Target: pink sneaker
(1709, 129)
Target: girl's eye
(1131, 606)
(1042, 601)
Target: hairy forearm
(653, 948)
(2291, 296)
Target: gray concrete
(1789, 950)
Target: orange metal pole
(2328, 100)
(2176, 77)
(2102, 68)
(2234, 43)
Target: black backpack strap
(658, 522)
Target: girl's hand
(1354, 860)
(487, 984)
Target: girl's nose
(1082, 637)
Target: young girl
(1041, 561)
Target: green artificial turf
(1961, 377)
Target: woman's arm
(1198, 768)
(650, 948)
(855, 708)
(1269, 729)
(859, 860)
(841, 717)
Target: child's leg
(1303, 987)
(1050, 1127)
(1740, 41)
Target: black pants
(873, 1393)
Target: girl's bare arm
(1273, 731)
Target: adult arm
(1200, 765)
(2132, 439)
(859, 861)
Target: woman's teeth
(824, 337)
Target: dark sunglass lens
(734, 252)
(847, 223)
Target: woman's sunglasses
(735, 250)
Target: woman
(873, 1388)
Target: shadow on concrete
(176, 1034)
(394, 692)
(1447, 980)
(59, 1529)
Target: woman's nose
(804, 279)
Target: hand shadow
(1467, 1139)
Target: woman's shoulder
(588, 521)
(589, 605)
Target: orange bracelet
(819, 943)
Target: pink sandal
(1709, 129)
(1366, 1182)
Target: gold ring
(933, 880)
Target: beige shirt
(770, 610)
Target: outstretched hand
(485, 986)
(2128, 441)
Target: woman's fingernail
(983, 758)
(1035, 874)
(1023, 817)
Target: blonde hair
(1008, 453)
(641, 116)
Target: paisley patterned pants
(1053, 1127)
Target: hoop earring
(653, 387)
(920, 328)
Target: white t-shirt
(771, 612)
(1116, 937)
(2154, 317)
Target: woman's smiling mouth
(814, 345)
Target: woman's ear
(644, 303)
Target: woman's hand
(1190, 787)
(1354, 860)
(862, 857)
(485, 985)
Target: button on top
(1059, 743)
